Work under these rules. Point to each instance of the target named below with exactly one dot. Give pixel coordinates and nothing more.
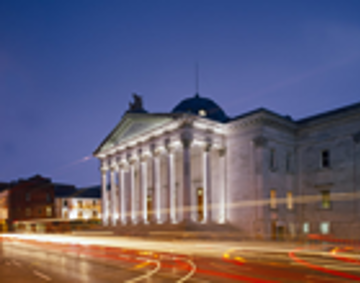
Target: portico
(156, 176)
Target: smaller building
(30, 200)
(82, 204)
(4, 206)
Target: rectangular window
(28, 197)
(48, 197)
(325, 159)
(325, 200)
(48, 211)
(65, 203)
(272, 159)
(273, 203)
(80, 204)
(288, 162)
(289, 200)
(306, 227)
(28, 212)
(325, 228)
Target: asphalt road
(24, 260)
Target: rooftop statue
(137, 104)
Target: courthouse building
(260, 173)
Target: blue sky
(68, 68)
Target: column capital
(154, 150)
(186, 138)
(207, 145)
(169, 148)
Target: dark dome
(201, 106)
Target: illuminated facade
(4, 206)
(79, 204)
(262, 173)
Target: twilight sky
(68, 68)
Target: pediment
(132, 126)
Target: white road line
(191, 273)
(18, 264)
(148, 274)
(41, 275)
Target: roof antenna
(197, 79)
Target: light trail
(321, 268)
(148, 274)
(190, 274)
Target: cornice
(263, 119)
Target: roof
(63, 190)
(203, 107)
(93, 192)
(4, 186)
(339, 111)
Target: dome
(201, 106)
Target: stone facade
(262, 173)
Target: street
(56, 258)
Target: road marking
(41, 275)
(148, 274)
(18, 264)
(191, 273)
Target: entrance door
(149, 204)
(200, 204)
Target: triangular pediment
(132, 126)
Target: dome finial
(196, 79)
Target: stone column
(187, 209)
(170, 197)
(113, 198)
(132, 192)
(104, 196)
(156, 184)
(122, 201)
(144, 189)
(222, 187)
(207, 183)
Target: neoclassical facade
(261, 173)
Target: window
(28, 197)
(306, 227)
(48, 197)
(80, 204)
(80, 214)
(65, 203)
(48, 211)
(66, 214)
(325, 228)
(28, 212)
(272, 159)
(288, 162)
(273, 203)
(325, 200)
(95, 214)
(94, 202)
(325, 159)
(289, 200)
